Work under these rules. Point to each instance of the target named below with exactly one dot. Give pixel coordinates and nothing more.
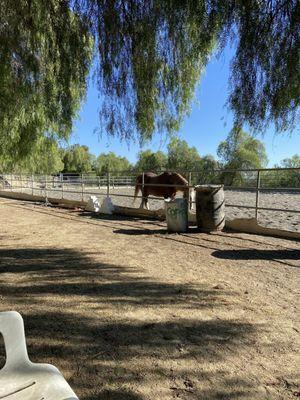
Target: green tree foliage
(44, 158)
(150, 55)
(290, 178)
(150, 161)
(293, 162)
(283, 178)
(45, 57)
(93, 160)
(206, 168)
(77, 159)
(111, 162)
(240, 151)
(182, 157)
(265, 72)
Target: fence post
(99, 186)
(257, 194)
(21, 183)
(11, 182)
(32, 184)
(190, 184)
(62, 186)
(143, 184)
(108, 183)
(46, 192)
(82, 187)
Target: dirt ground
(129, 312)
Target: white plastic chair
(21, 379)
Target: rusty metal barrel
(210, 207)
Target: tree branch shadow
(260, 254)
(61, 294)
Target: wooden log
(140, 212)
(52, 200)
(250, 225)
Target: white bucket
(93, 204)
(107, 206)
(177, 215)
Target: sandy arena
(128, 312)
(289, 221)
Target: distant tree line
(239, 151)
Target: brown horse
(180, 184)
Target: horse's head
(180, 181)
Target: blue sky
(207, 125)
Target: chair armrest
(12, 329)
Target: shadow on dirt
(63, 272)
(115, 395)
(64, 297)
(259, 254)
(137, 231)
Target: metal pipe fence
(255, 181)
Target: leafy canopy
(111, 162)
(77, 158)
(242, 151)
(150, 161)
(283, 178)
(181, 156)
(45, 158)
(149, 57)
(152, 53)
(293, 162)
(45, 55)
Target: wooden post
(82, 187)
(143, 185)
(46, 193)
(32, 183)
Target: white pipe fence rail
(83, 185)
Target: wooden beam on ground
(52, 200)
(140, 212)
(250, 225)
